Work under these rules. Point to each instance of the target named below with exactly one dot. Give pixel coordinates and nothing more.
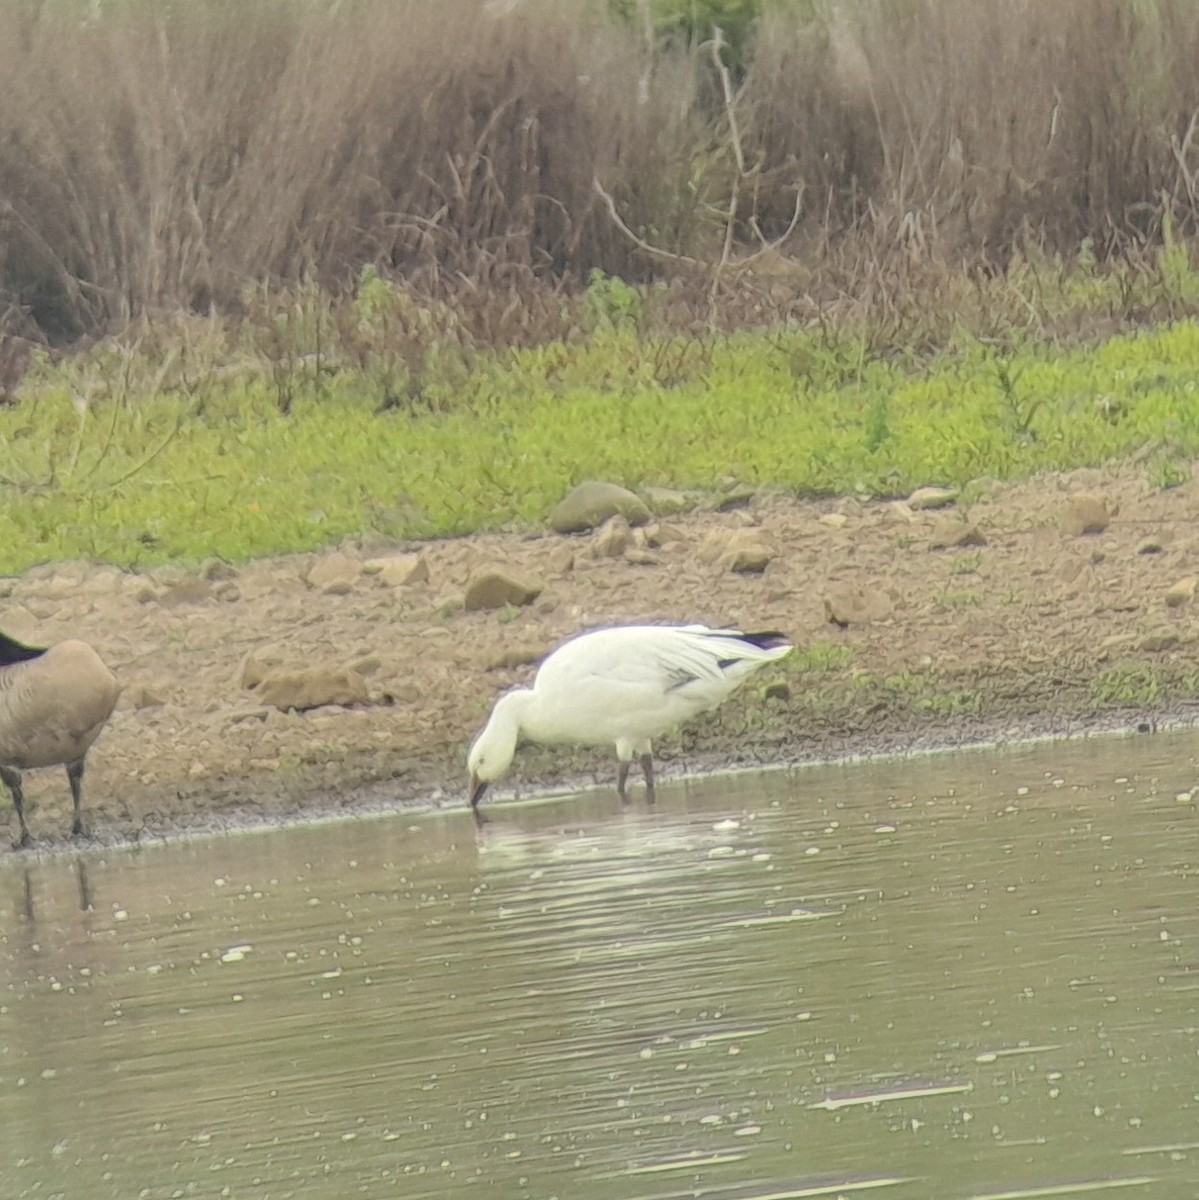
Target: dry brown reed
(177, 157)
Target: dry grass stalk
(196, 152)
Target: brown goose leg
(12, 781)
(647, 765)
(622, 779)
(75, 778)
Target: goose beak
(477, 788)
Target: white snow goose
(626, 685)
(53, 704)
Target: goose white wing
(656, 657)
(640, 680)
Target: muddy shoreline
(376, 800)
(1026, 628)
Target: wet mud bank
(351, 682)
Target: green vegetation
(957, 599)
(924, 692)
(450, 264)
(1136, 684)
(966, 564)
(818, 657)
(175, 458)
(1141, 684)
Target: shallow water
(968, 976)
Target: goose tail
(762, 646)
(769, 639)
(12, 651)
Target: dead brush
(197, 152)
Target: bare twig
(1181, 151)
(716, 45)
(640, 242)
(729, 212)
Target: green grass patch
(818, 657)
(966, 564)
(1127, 685)
(957, 599)
(1143, 684)
(176, 471)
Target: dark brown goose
(53, 704)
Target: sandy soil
(1039, 629)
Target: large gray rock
(515, 656)
(612, 539)
(931, 497)
(399, 570)
(214, 570)
(736, 495)
(142, 695)
(1085, 514)
(497, 588)
(745, 551)
(953, 531)
(849, 605)
(187, 591)
(256, 665)
(667, 502)
(334, 573)
(590, 504)
(1182, 592)
(313, 687)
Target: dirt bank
(1029, 625)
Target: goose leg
(647, 766)
(622, 779)
(12, 781)
(75, 778)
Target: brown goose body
(53, 705)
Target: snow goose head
(493, 750)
